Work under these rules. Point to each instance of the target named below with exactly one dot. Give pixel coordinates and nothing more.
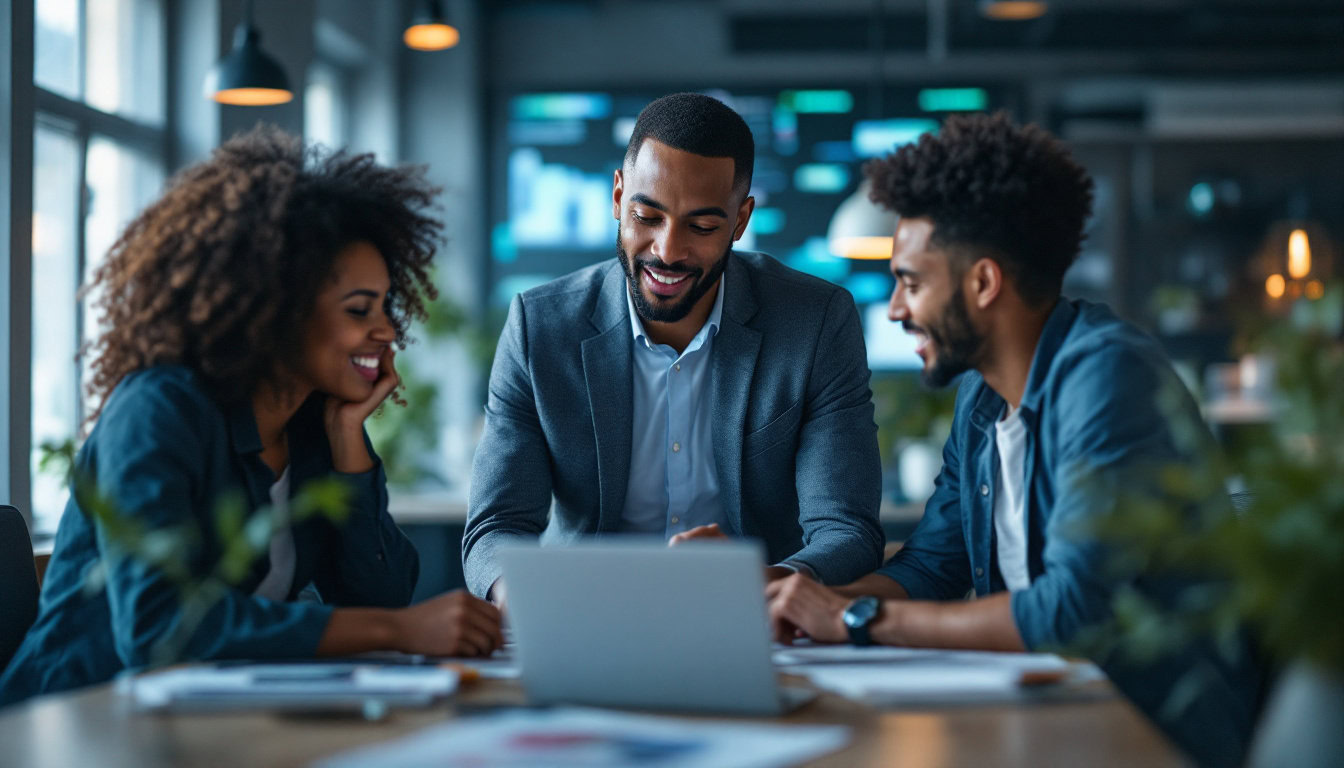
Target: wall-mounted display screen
(555, 153)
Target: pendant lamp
(429, 31)
(860, 228)
(1013, 10)
(247, 76)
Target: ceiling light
(247, 76)
(429, 31)
(1013, 10)
(860, 228)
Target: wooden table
(97, 727)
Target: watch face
(861, 611)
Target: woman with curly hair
(250, 316)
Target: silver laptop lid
(634, 623)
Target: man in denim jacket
(1059, 398)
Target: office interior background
(1214, 130)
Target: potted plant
(913, 422)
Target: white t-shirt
(280, 578)
(1010, 503)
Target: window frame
(84, 123)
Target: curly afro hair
(993, 188)
(221, 273)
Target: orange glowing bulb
(431, 37)
(1299, 254)
(1275, 286)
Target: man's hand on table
(711, 531)
(497, 596)
(800, 606)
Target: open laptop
(633, 623)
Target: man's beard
(958, 346)
(665, 311)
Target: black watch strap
(859, 635)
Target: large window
(98, 158)
(326, 96)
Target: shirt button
(676, 447)
(984, 490)
(979, 571)
(677, 366)
(675, 519)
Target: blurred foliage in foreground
(173, 551)
(1275, 562)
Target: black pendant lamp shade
(247, 76)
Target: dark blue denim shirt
(164, 451)
(1092, 416)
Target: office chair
(18, 582)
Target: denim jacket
(164, 452)
(1091, 410)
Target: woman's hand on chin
(345, 419)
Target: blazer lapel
(734, 362)
(608, 370)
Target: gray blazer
(795, 445)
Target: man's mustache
(661, 267)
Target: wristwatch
(858, 615)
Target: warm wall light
(1297, 260)
(1274, 286)
(1299, 254)
(429, 31)
(1013, 10)
(247, 76)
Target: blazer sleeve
(511, 475)
(837, 467)
(373, 564)
(150, 455)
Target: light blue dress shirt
(674, 484)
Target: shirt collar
(989, 408)
(710, 328)
(1053, 336)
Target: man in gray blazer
(683, 389)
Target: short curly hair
(992, 187)
(222, 272)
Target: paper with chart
(593, 738)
